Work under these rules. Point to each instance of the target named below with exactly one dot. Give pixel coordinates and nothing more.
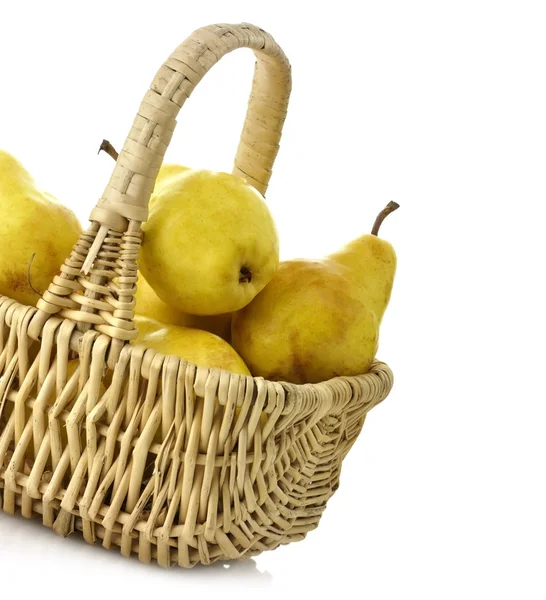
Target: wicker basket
(147, 452)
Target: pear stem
(107, 147)
(391, 207)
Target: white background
(440, 106)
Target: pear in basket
(166, 175)
(194, 345)
(318, 319)
(149, 304)
(210, 243)
(36, 233)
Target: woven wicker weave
(144, 451)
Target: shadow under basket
(146, 452)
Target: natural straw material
(162, 458)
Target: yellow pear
(149, 304)
(166, 175)
(318, 319)
(220, 325)
(33, 224)
(210, 243)
(194, 345)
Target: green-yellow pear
(210, 243)
(149, 304)
(33, 224)
(194, 345)
(318, 319)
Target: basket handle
(103, 263)
(127, 194)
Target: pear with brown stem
(318, 319)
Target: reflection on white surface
(27, 538)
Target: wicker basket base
(161, 458)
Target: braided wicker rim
(159, 457)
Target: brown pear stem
(107, 147)
(391, 207)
